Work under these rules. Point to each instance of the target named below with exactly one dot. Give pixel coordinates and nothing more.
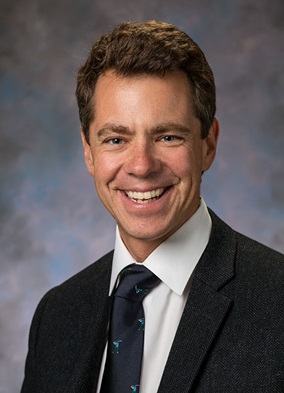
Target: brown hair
(153, 48)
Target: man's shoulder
(245, 244)
(255, 249)
(254, 262)
(92, 272)
(68, 309)
(259, 265)
(89, 282)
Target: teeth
(145, 197)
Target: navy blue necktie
(126, 334)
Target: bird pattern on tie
(124, 356)
(116, 346)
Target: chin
(149, 236)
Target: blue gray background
(52, 223)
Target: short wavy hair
(150, 48)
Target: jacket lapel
(205, 311)
(87, 368)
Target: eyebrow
(110, 128)
(168, 127)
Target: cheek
(184, 163)
(105, 169)
(188, 167)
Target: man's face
(147, 156)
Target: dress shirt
(173, 261)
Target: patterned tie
(126, 335)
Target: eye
(115, 141)
(169, 138)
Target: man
(214, 322)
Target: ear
(210, 145)
(87, 154)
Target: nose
(142, 160)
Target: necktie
(126, 334)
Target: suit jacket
(230, 338)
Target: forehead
(150, 93)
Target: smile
(145, 197)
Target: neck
(140, 249)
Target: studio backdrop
(52, 223)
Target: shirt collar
(174, 260)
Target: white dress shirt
(173, 261)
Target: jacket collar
(205, 310)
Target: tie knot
(136, 281)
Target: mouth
(145, 197)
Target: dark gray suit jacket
(230, 338)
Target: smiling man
(146, 154)
(184, 303)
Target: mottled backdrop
(52, 224)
